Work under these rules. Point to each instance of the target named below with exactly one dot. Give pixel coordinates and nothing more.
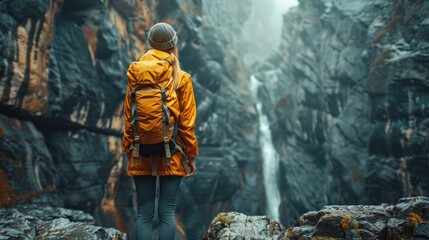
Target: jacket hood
(154, 54)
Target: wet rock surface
(408, 219)
(44, 222)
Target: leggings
(145, 188)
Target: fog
(262, 31)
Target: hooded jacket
(185, 122)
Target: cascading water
(270, 157)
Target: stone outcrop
(233, 225)
(408, 219)
(346, 97)
(45, 222)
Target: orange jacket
(185, 121)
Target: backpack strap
(165, 123)
(179, 148)
(154, 166)
(135, 124)
(170, 62)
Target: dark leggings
(145, 188)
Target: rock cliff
(62, 87)
(346, 94)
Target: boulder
(234, 225)
(45, 222)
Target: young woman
(159, 68)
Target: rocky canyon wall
(62, 87)
(346, 94)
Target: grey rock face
(43, 222)
(26, 160)
(348, 100)
(87, 66)
(84, 163)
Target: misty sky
(263, 29)
(284, 5)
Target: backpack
(154, 110)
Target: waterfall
(270, 157)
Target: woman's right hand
(191, 166)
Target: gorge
(344, 94)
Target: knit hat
(162, 36)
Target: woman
(158, 64)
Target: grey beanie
(162, 36)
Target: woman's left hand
(192, 167)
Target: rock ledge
(408, 219)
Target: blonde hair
(174, 55)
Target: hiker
(159, 138)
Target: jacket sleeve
(188, 113)
(127, 138)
